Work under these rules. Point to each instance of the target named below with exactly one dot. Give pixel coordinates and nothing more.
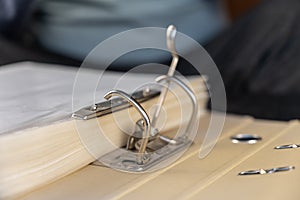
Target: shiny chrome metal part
(266, 171)
(191, 95)
(116, 104)
(126, 160)
(145, 147)
(193, 117)
(171, 34)
(146, 120)
(287, 146)
(158, 147)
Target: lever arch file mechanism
(145, 147)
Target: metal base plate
(123, 160)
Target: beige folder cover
(214, 177)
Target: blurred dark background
(21, 44)
(256, 48)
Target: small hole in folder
(245, 138)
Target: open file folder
(39, 140)
(61, 170)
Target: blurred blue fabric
(74, 28)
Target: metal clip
(145, 121)
(152, 149)
(116, 104)
(146, 147)
(266, 171)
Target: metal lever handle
(171, 34)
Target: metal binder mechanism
(146, 147)
(116, 104)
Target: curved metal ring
(142, 112)
(190, 94)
